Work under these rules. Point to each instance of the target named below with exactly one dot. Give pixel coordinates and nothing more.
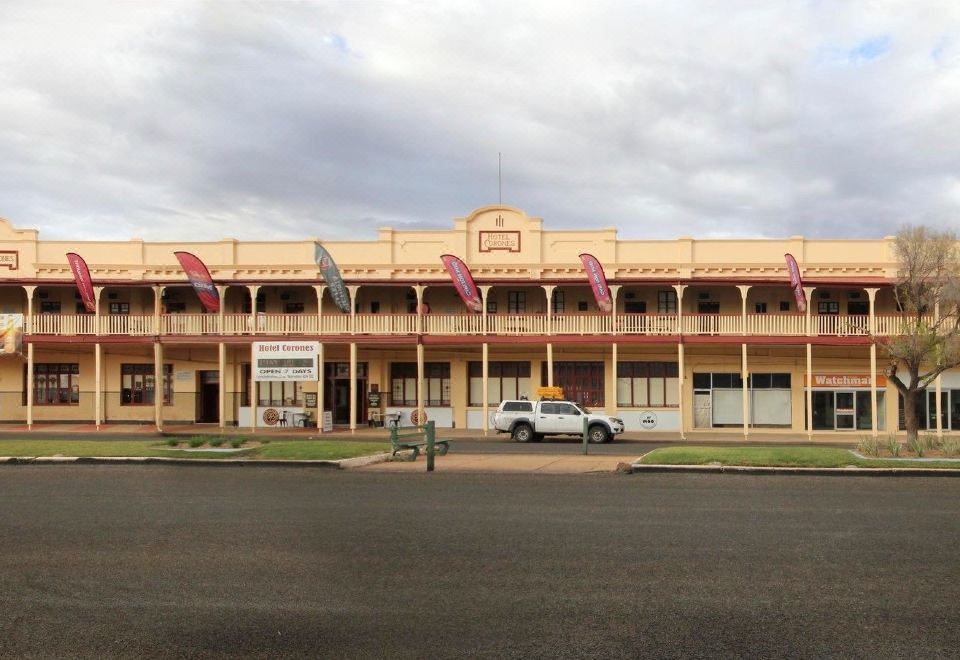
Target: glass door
(845, 415)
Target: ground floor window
(55, 384)
(270, 393)
(846, 410)
(718, 399)
(643, 384)
(581, 381)
(505, 380)
(138, 384)
(926, 407)
(436, 383)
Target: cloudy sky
(175, 120)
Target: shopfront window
(505, 380)
(138, 384)
(56, 384)
(643, 384)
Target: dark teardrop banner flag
(331, 275)
(598, 282)
(200, 279)
(796, 283)
(463, 281)
(81, 274)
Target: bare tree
(927, 291)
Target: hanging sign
(81, 274)
(598, 282)
(200, 279)
(796, 283)
(463, 281)
(331, 275)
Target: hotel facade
(703, 335)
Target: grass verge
(293, 450)
(815, 457)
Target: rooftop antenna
(499, 178)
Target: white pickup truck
(532, 420)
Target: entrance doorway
(336, 394)
(208, 397)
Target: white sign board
(286, 360)
(327, 421)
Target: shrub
(216, 442)
(265, 441)
(868, 445)
(236, 443)
(172, 442)
(892, 444)
(918, 445)
(950, 445)
(196, 441)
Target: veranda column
(222, 384)
(97, 290)
(548, 290)
(680, 373)
(874, 417)
(549, 364)
(30, 386)
(98, 384)
(420, 384)
(486, 395)
(808, 292)
(222, 292)
(254, 394)
(354, 289)
(744, 290)
(157, 307)
(485, 292)
(29, 289)
(809, 392)
(614, 291)
(253, 289)
(613, 373)
(419, 289)
(746, 391)
(158, 384)
(321, 382)
(319, 289)
(353, 387)
(679, 288)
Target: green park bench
(417, 437)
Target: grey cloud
(297, 120)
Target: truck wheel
(522, 433)
(598, 434)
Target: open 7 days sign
(285, 360)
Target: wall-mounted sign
(11, 334)
(508, 241)
(310, 399)
(648, 420)
(285, 360)
(844, 381)
(373, 399)
(10, 259)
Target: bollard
(431, 439)
(586, 435)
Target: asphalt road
(104, 561)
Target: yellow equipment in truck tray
(550, 392)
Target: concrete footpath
(507, 463)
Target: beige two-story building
(704, 334)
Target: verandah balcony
(464, 324)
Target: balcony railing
(784, 325)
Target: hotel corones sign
(508, 241)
